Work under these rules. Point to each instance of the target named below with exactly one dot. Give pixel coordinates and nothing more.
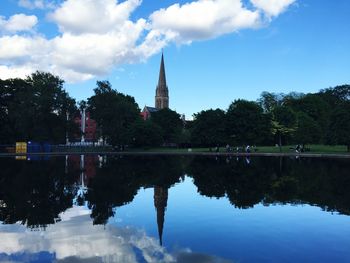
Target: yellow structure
(21, 147)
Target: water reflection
(75, 239)
(318, 182)
(35, 192)
(160, 202)
(72, 198)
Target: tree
(170, 122)
(246, 123)
(283, 122)
(114, 113)
(268, 101)
(315, 107)
(339, 127)
(208, 128)
(35, 108)
(335, 96)
(308, 130)
(145, 134)
(52, 104)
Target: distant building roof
(147, 111)
(151, 109)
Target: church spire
(162, 78)
(162, 93)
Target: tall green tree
(208, 128)
(315, 107)
(145, 134)
(339, 127)
(335, 96)
(171, 124)
(308, 130)
(114, 113)
(246, 123)
(36, 109)
(268, 101)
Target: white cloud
(37, 4)
(81, 51)
(18, 48)
(93, 16)
(204, 19)
(18, 22)
(20, 56)
(99, 35)
(8, 72)
(272, 7)
(96, 53)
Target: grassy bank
(260, 149)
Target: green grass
(261, 149)
(313, 149)
(171, 150)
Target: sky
(215, 51)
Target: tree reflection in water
(36, 192)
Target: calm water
(174, 209)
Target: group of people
(228, 148)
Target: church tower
(162, 93)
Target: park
(175, 131)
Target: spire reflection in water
(225, 207)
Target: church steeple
(162, 93)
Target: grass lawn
(261, 149)
(313, 149)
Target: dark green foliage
(308, 131)
(114, 113)
(316, 115)
(336, 95)
(268, 101)
(285, 116)
(274, 180)
(117, 182)
(145, 134)
(315, 107)
(208, 128)
(35, 192)
(50, 187)
(171, 124)
(35, 109)
(339, 128)
(246, 123)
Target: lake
(174, 209)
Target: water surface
(174, 209)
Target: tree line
(294, 118)
(38, 108)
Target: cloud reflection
(76, 239)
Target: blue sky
(215, 51)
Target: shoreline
(155, 153)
